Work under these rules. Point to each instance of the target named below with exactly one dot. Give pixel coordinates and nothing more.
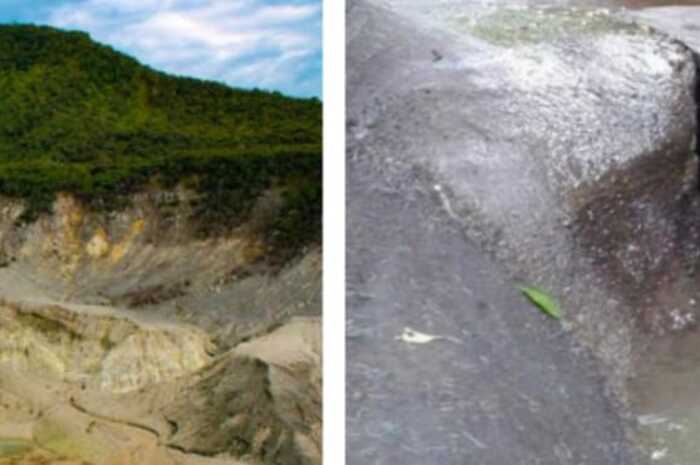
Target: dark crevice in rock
(254, 333)
(622, 219)
(193, 452)
(174, 427)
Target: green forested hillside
(78, 116)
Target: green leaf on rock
(542, 300)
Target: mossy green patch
(13, 447)
(516, 26)
(70, 442)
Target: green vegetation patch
(13, 447)
(80, 117)
(516, 26)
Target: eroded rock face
(99, 348)
(148, 257)
(262, 400)
(127, 256)
(96, 308)
(259, 403)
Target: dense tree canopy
(80, 117)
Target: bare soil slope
(125, 339)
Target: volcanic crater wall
(128, 331)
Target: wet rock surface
(679, 21)
(508, 386)
(542, 143)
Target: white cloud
(243, 42)
(285, 13)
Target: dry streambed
(106, 389)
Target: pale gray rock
(546, 146)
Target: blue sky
(269, 44)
